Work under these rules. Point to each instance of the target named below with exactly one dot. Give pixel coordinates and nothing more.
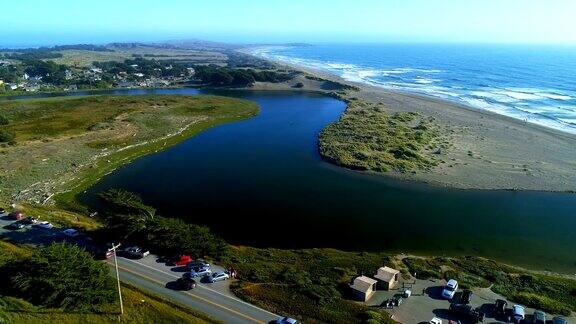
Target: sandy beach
(487, 150)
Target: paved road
(214, 300)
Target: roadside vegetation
(50, 285)
(65, 144)
(310, 283)
(553, 294)
(128, 219)
(368, 137)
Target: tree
(64, 276)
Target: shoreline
(488, 151)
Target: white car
(199, 272)
(3, 212)
(70, 232)
(450, 289)
(218, 276)
(435, 320)
(45, 225)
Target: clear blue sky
(36, 22)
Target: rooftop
(363, 283)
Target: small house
(363, 288)
(387, 277)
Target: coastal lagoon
(261, 182)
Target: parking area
(426, 302)
(36, 235)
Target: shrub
(63, 276)
(6, 136)
(299, 85)
(4, 120)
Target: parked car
(285, 320)
(435, 320)
(518, 314)
(16, 226)
(185, 283)
(218, 276)
(29, 220)
(539, 317)
(464, 310)
(500, 308)
(70, 232)
(135, 252)
(16, 215)
(559, 320)
(45, 225)
(3, 212)
(450, 289)
(183, 260)
(199, 272)
(100, 252)
(198, 263)
(466, 296)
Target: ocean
(536, 84)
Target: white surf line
(203, 287)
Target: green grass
(139, 307)
(308, 284)
(368, 137)
(64, 145)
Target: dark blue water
(532, 83)
(261, 182)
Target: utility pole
(118, 279)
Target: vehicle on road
(500, 308)
(472, 314)
(70, 232)
(218, 276)
(285, 320)
(199, 272)
(100, 252)
(466, 296)
(30, 220)
(185, 283)
(559, 320)
(135, 252)
(45, 225)
(16, 215)
(518, 314)
(539, 317)
(198, 263)
(15, 226)
(450, 289)
(3, 212)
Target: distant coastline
(488, 150)
(506, 89)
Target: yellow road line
(197, 297)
